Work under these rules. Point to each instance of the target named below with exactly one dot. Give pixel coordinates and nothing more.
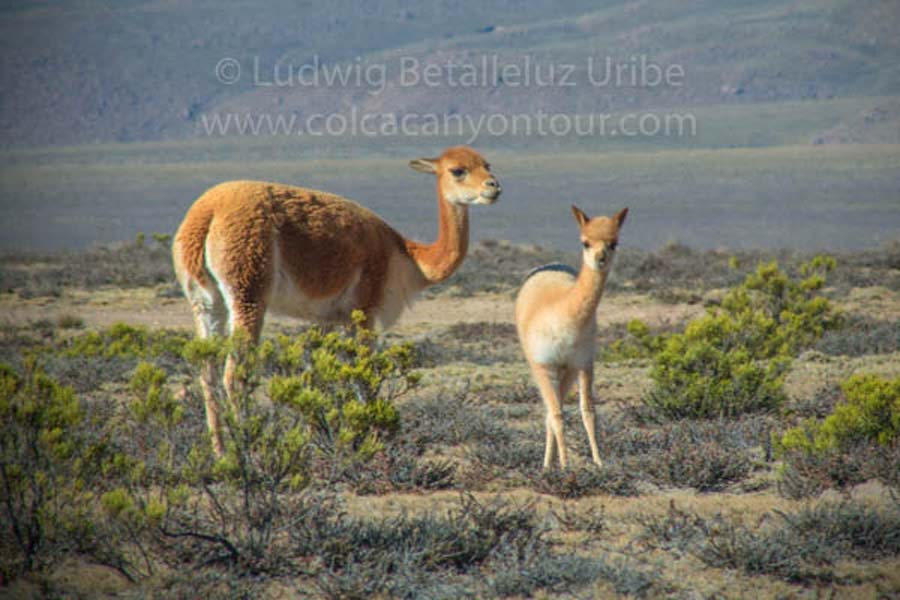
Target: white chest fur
(554, 341)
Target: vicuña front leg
(548, 382)
(585, 383)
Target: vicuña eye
(613, 245)
(586, 245)
(458, 172)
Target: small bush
(182, 505)
(849, 529)
(858, 441)
(793, 546)
(399, 467)
(613, 479)
(592, 520)
(346, 388)
(410, 557)
(638, 341)
(515, 575)
(702, 454)
(861, 336)
(730, 545)
(453, 421)
(871, 413)
(733, 360)
(50, 473)
(806, 474)
(70, 322)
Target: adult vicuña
(248, 247)
(556, 319)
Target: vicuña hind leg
(585, 382)
(247, 318)
(548, 382)
(210, 319)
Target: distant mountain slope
(123, 70)
(877, 125)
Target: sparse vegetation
(308, 501)
(799, 546)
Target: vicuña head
(556, 321)
(463, 176)
(246, 248)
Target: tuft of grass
(614, 479)
(806, 474)
(70, 322)
(570, 518)
(861, 336)
(704, 455)
(460, 419)
(798, 547)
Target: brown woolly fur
(557, 326)
(249, 247)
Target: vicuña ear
(619, 217)
(580, 216)
(424, 165)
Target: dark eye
(586, 245)
(458, 172)
(613, 245)
(487, 166)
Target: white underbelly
(289, 300)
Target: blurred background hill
(79, 71)
(105, 106)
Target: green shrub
(704, 374)
(49, 473)
(345, 387)
(639, 342)
(871, 413)
(182, 505)
(734, 359)
(125, 341)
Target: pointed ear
(619, 217)
(424, 165)
(580, 216)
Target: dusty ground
(144, 306)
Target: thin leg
(550, 441)
(547, 380)
(210, 316)
(249, 319)
(585, 383)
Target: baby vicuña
(556, 320)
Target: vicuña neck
(439, 260)
(585, 294)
